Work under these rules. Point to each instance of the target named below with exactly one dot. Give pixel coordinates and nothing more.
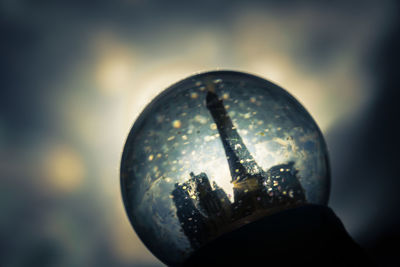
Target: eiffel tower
(248, 178)
(206, 211)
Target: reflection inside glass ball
(214, 152)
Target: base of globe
(311, 235)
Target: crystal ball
(214, 152)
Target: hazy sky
(76, 75)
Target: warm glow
(63, 168)
(114, 67)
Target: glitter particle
(176, 124)
(218, 81)
(200, 119)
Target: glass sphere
(214, 152)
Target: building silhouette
(202, 210)
(205, 211)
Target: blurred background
(76, 74)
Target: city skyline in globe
(214, 152)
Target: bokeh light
(63, 169)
